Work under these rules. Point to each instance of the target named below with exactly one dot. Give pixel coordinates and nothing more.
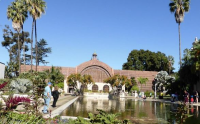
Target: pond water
(139, 112)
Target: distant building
(99, 72)
(2, 70)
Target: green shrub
(147, 93)
(135, 88)
(60, 85)
(101, 118)
(12, 117)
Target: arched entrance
(105, 88)
(94, 88)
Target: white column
(78, 85)
(66, 88)
(123, 87)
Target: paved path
(62, 103)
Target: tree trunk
(32, 45)
(23, 48)
(36, 47)
(179, 44)
(19, 54)
(10, 53)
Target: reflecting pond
(140, 112)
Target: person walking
(55, 95)
(47, 98)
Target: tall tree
(11, 43)
(73, 79)
(186, 57)
(36, 8)
(179, 7)
(162, 80)
(86, 80)
(8, 41)
(195, 55)
(17, 12)
(146, 61)
(171, 63)
(42, 51)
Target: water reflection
(143, 112)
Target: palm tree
(73, 79)
(36, 8)
(142, 81)
(117, 81)
(17, 12)
(86, 79)
(179, 7)
(187, 56)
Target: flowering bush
(3, 85)
(13, 102)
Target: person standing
(55, 95)
(197, 96)
(186, 97)
(47, 97)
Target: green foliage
(73, 79)
(188, 74)
(12, 117)
(142, 80)
(11, 44)
(170, 63)
(179, 7)
(11, 70)
(79, 120)
(147, 93)
(161, 80)
(101, 118)
(135, 88)
(38, 79)
(54, 75)
(195, 55)
(179, 115)
(117, 80)
(60, 85)
(146, 61)
(86, 79)
(42, 51)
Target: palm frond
(172, 7)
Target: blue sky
(113, 28)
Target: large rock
(20, 108)
(21, 85)
(2, 101)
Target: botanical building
(99, 72)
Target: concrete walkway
(62, 103)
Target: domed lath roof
(97, 65)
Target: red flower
(3, 85)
